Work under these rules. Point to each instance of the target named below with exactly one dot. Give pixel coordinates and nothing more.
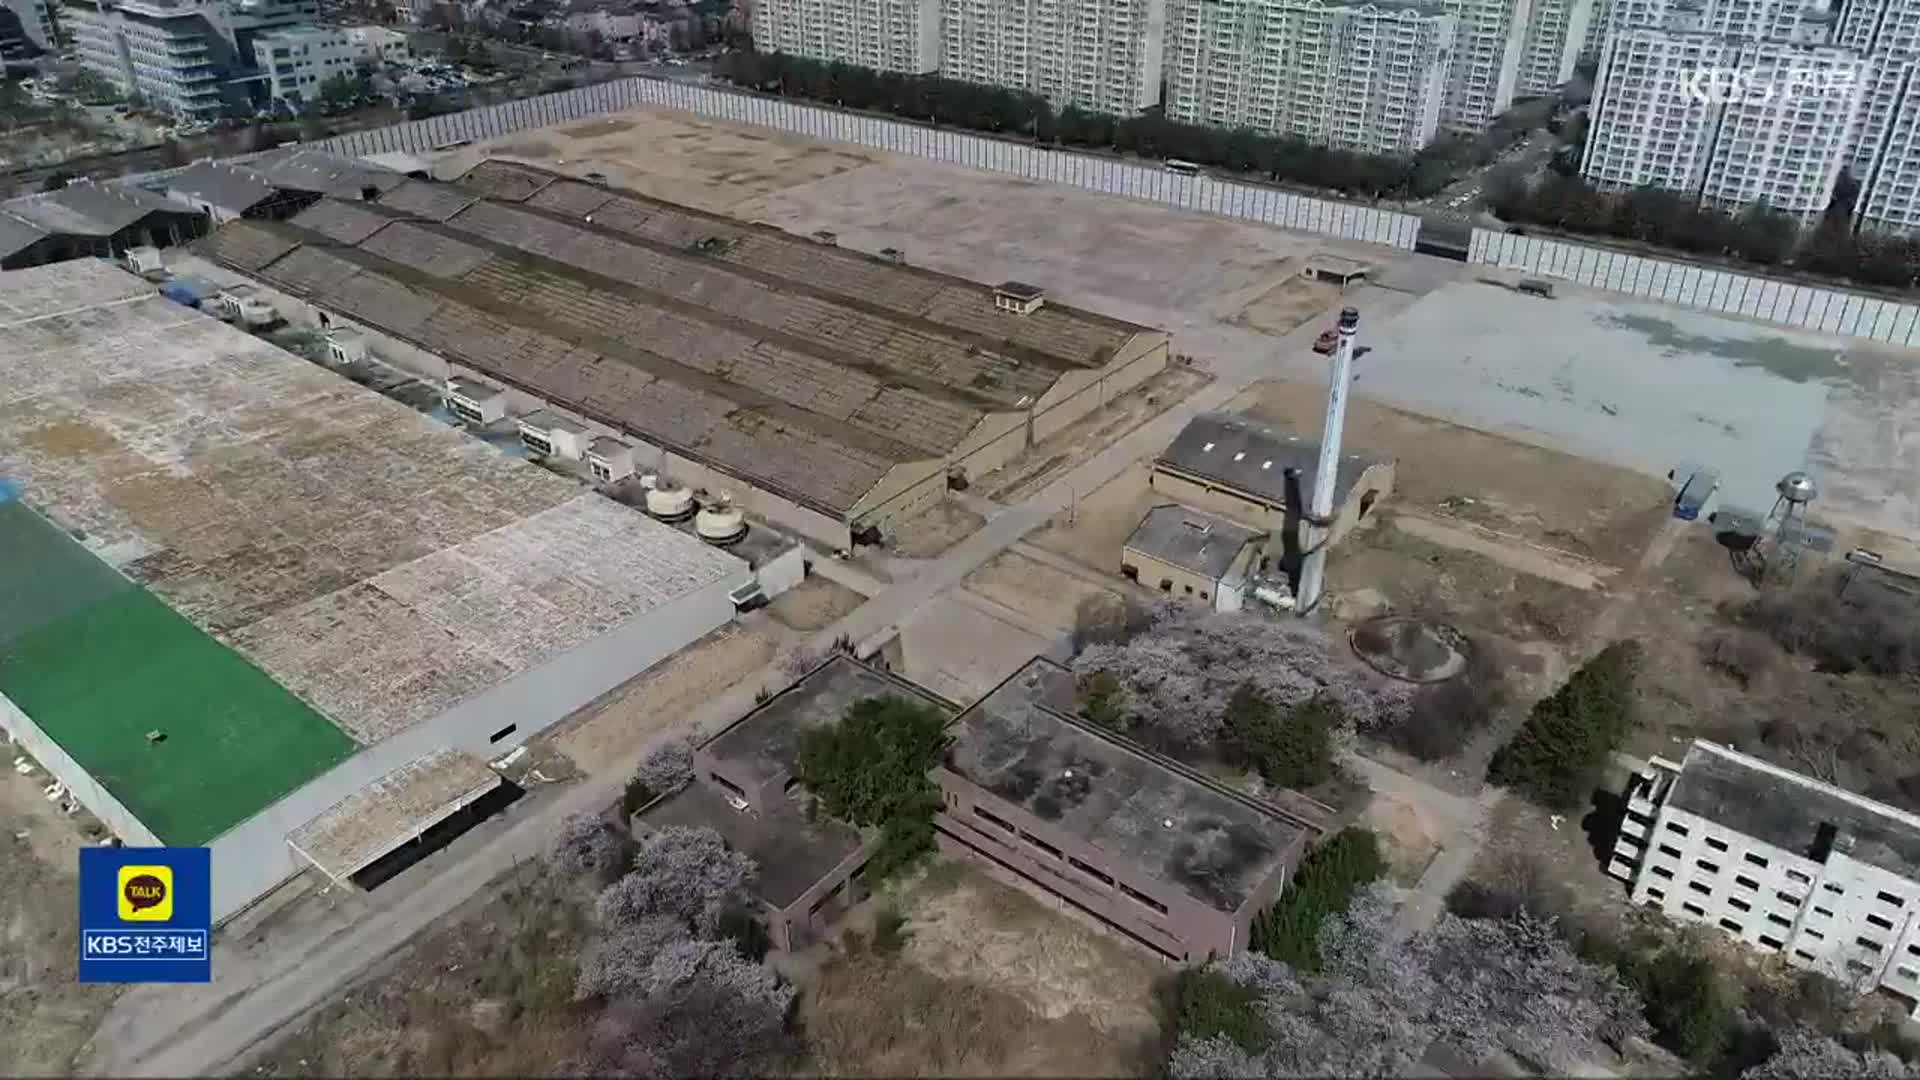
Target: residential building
(1158, 852)
(1784, 863)
(300, 60)
(1192, 555)
(1786, 149)
(1595, 37)
(1484, 74)
(36, 23)
(886, 35)
(191, 57)
(1366, 77)
(1555, 34)
(1885, 158)
(1099, 55)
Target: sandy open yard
(962, 650)
(1045, 594)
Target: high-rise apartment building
(1100, 55)
(1828, 880)
(1670, 112)
(184, 56)
(36, 22)
(1555, 32)
(886, 35)
(1885, 159)
(1489, 38)
(1367, 77)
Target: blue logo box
(146, 915)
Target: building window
(503, 733)
(1711, 868)
(1039, 843)
(1702, 889)
(1869, 944)
(1695, 910)
(1657, 894)
(1717, 845)
(1814, 934)
(1745, 882)
(1669, 849)
(1661, 871)
(1778, 919)
(1732, 927)
(1803, 954)
(1859, 967)
(1142, 898)
(1795, 875)
(1738, 904)
(1818, 910)
(1676, 829)
(1884, 924)
(1771, 942)
(1889, 898)
(1832, 888)
(1787, 898)
(1907, 973)
(1099, 876)
(1754, 859)
(994, 819)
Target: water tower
(1787, 523)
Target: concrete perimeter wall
(1803, 307)
(254, 856)
(1089, 172)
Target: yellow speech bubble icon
(146, 893)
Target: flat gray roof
(766, 741)
(226, 186)
(1252, 457)
(792, 853)
(300, 517)
(1178, 827)
(84, 208)
(1793, 812)
(1191, 540)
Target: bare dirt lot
(814, 603)
(933, 531)
(1042, 593)
(989, 982)
(489, 994)
(46, 1017)
(624, 719)
(674, 156)
(1288, 304)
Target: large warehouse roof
(379, 564)
(770, 358)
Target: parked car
(1326, 342)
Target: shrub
(1294, 750)
(870, 767)
(1690, 1005)
(1870, 628)
(1557, 757)
(588, 845)
(1742, 655)
(1323, 884)
(1807, 1055)
(1103, 700)
(746, 931)
(1210, 1005)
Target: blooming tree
(587, 844)
(682, 872)
(1805, 1055)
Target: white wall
(1806, 307)
(84, 787)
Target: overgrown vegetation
(1557, 757)
(589, 845)
(1152, 135)
(1323, 884)
(1292, 748)
(1867, 628)
(1169, 684)
(667, 769)
(1209, 1005)
(1757, 234)
(1446, 716)
(870, 768)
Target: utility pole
(1319, 531)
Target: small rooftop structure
(1263, 476)
(1018, 297)
(1191, 540)
(1336, 269)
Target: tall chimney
(1313, 564)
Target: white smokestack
(1313, 565)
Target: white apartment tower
(1787, 148)
(1484, 75)
(1366, 77)
(886, 35)
(1103, 56)
(1828, 879)
(181, 55)
(1885, 159)
(1644, 128)
(36, 22)
(1555, 32)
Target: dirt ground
(46, 1017)
(1033, 471)
(623, 720)
(1042, 593)
(989, 982)
(489, 994)
(671, 155)
(927, 534)
(1408, 838)
(814, 603)
(1288, 304)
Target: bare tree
(706, 1011)
(1806, 1055)
(682, 872)
(587, 844)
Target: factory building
(1263, 477)
(825, 391)
(1780, 862)
(85, 219)
(253, 606)
(1193, 556)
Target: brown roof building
(826, 390)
